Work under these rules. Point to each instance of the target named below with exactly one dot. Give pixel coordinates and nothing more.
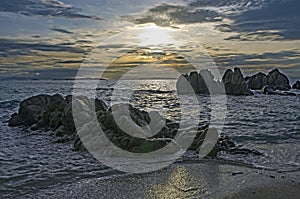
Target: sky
(52, 39)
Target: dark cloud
(265, 60)
(62, 30)
(282, 16)
(169, 15)
(230, 7)
(258, 36)
(54, 8)
(50, 73)
(197, 11)
(253, 20)
(14, 47)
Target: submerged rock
(268, 90)
(15, 120)
(296, 85)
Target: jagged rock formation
(296, 85)
(199, 83)
(45, 112)
(54, 113)
(234, 83)
(275, 79)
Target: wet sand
(205, 179)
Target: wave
(9, 104)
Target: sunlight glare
(153, 35)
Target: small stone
(237, 173)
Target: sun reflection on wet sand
(180, 184)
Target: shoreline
(203, 179)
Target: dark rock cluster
(275, 79)
(296, 85)
(233, 83)
(198, 83)
(54, 114)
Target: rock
(60, 131)
(63, 139)
(278, 80)
(268, 90)
(15, 120)
(57, 102)
(237, 173)
(67, 119)
(257, 81)
(195, 81)
(55, 113)
(183, 86)
(199, 83)
(139, 118)
(69, 98)
(37, 125)
(77, 144)
(275, 78)
(33, 108)
(290, 94)
(296, 85)
(234, 83)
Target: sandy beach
(205, 179)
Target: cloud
(282, 16)
(260, 35)
(267, 60)
(251, 20)
(197, 11)
(62, 30)
(169, 15)
(53, 8)
(49, 73)
(14, 47)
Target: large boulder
(274, 78)
(257, 81)
(234, 83)
(296, 85)
(116, 134)
(32, 109)
(278, 80)
(53, 115)
(15, 120)
(199, 83)
(113, 128)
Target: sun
(155, 36)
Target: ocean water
(31, 161)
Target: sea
(30, 161)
